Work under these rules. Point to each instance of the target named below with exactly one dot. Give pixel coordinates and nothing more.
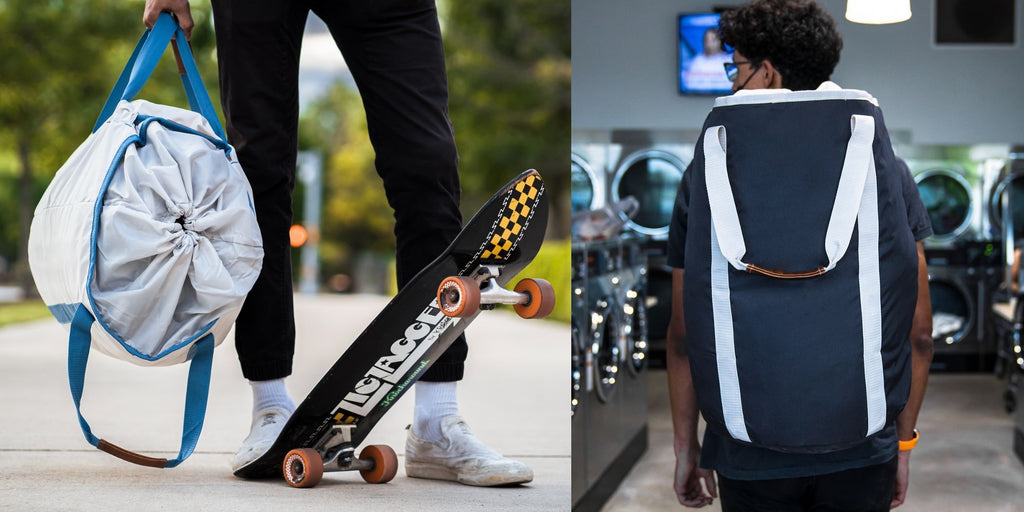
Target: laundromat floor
(964, 461)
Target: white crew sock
(434, 400)
(270, 393)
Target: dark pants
(867, 489)
(393, 48)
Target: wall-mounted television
(701, 55)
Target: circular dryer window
(582, 194)
(652, 178)
(947, 198)
(1014, 185)
(952, 311)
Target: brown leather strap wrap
(177, 55)
(131, 456)
(778, 274)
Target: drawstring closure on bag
(184, 227)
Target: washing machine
(1018, 433)
(635, 349)
(605, 329)
(634, 310)
(659, 306)
(1008, 192)
(588, 174)
(962, 327)
(962, 257)
(651, 174)
(582, 396)
(609, 425)
(953, 195)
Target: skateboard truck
(305, 467)
(341, 456)
(464, 296)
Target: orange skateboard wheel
(541, 301)
(459, 296)
(303, 467)
(385, 463)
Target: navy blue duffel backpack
(801, 267)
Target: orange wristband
(909, 445)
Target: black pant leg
(867, 489)
(394, 50)
(258, 57)
(779, 495)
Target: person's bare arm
(179, 8)
(683, 400)
(921, 359)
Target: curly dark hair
(797, 36)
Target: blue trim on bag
(144, 121)
(64, 313)
(97, 207)
(140, 66)
(196, 393)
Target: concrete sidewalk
(515, 396)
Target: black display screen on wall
(989, 22)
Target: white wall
(624, 73)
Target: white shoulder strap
(845, 209)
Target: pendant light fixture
(877, 12)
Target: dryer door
(583, 189)
(652, 177)
(953, 311)
(947, 198)
(1012, 188)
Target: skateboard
(407, 336)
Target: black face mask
(747, 81)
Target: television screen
(701, 55)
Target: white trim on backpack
(871, 299)
(725, 345)
(826, 91)
(856, 203)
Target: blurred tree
(509, 74)
(60, 60)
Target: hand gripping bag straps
(138, 70)
(143, 61)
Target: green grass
(553, 264)
(17, 312)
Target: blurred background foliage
(60, 60)
(508, 71)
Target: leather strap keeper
(778, 274)
(131, 456)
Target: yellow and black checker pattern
(523, 197)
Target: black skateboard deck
(411, 332)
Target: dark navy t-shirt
(739, 461)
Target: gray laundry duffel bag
(145, 243)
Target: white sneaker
(461, 457)
(266, 426)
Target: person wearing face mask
(794, 45)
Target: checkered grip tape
(522, 199)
